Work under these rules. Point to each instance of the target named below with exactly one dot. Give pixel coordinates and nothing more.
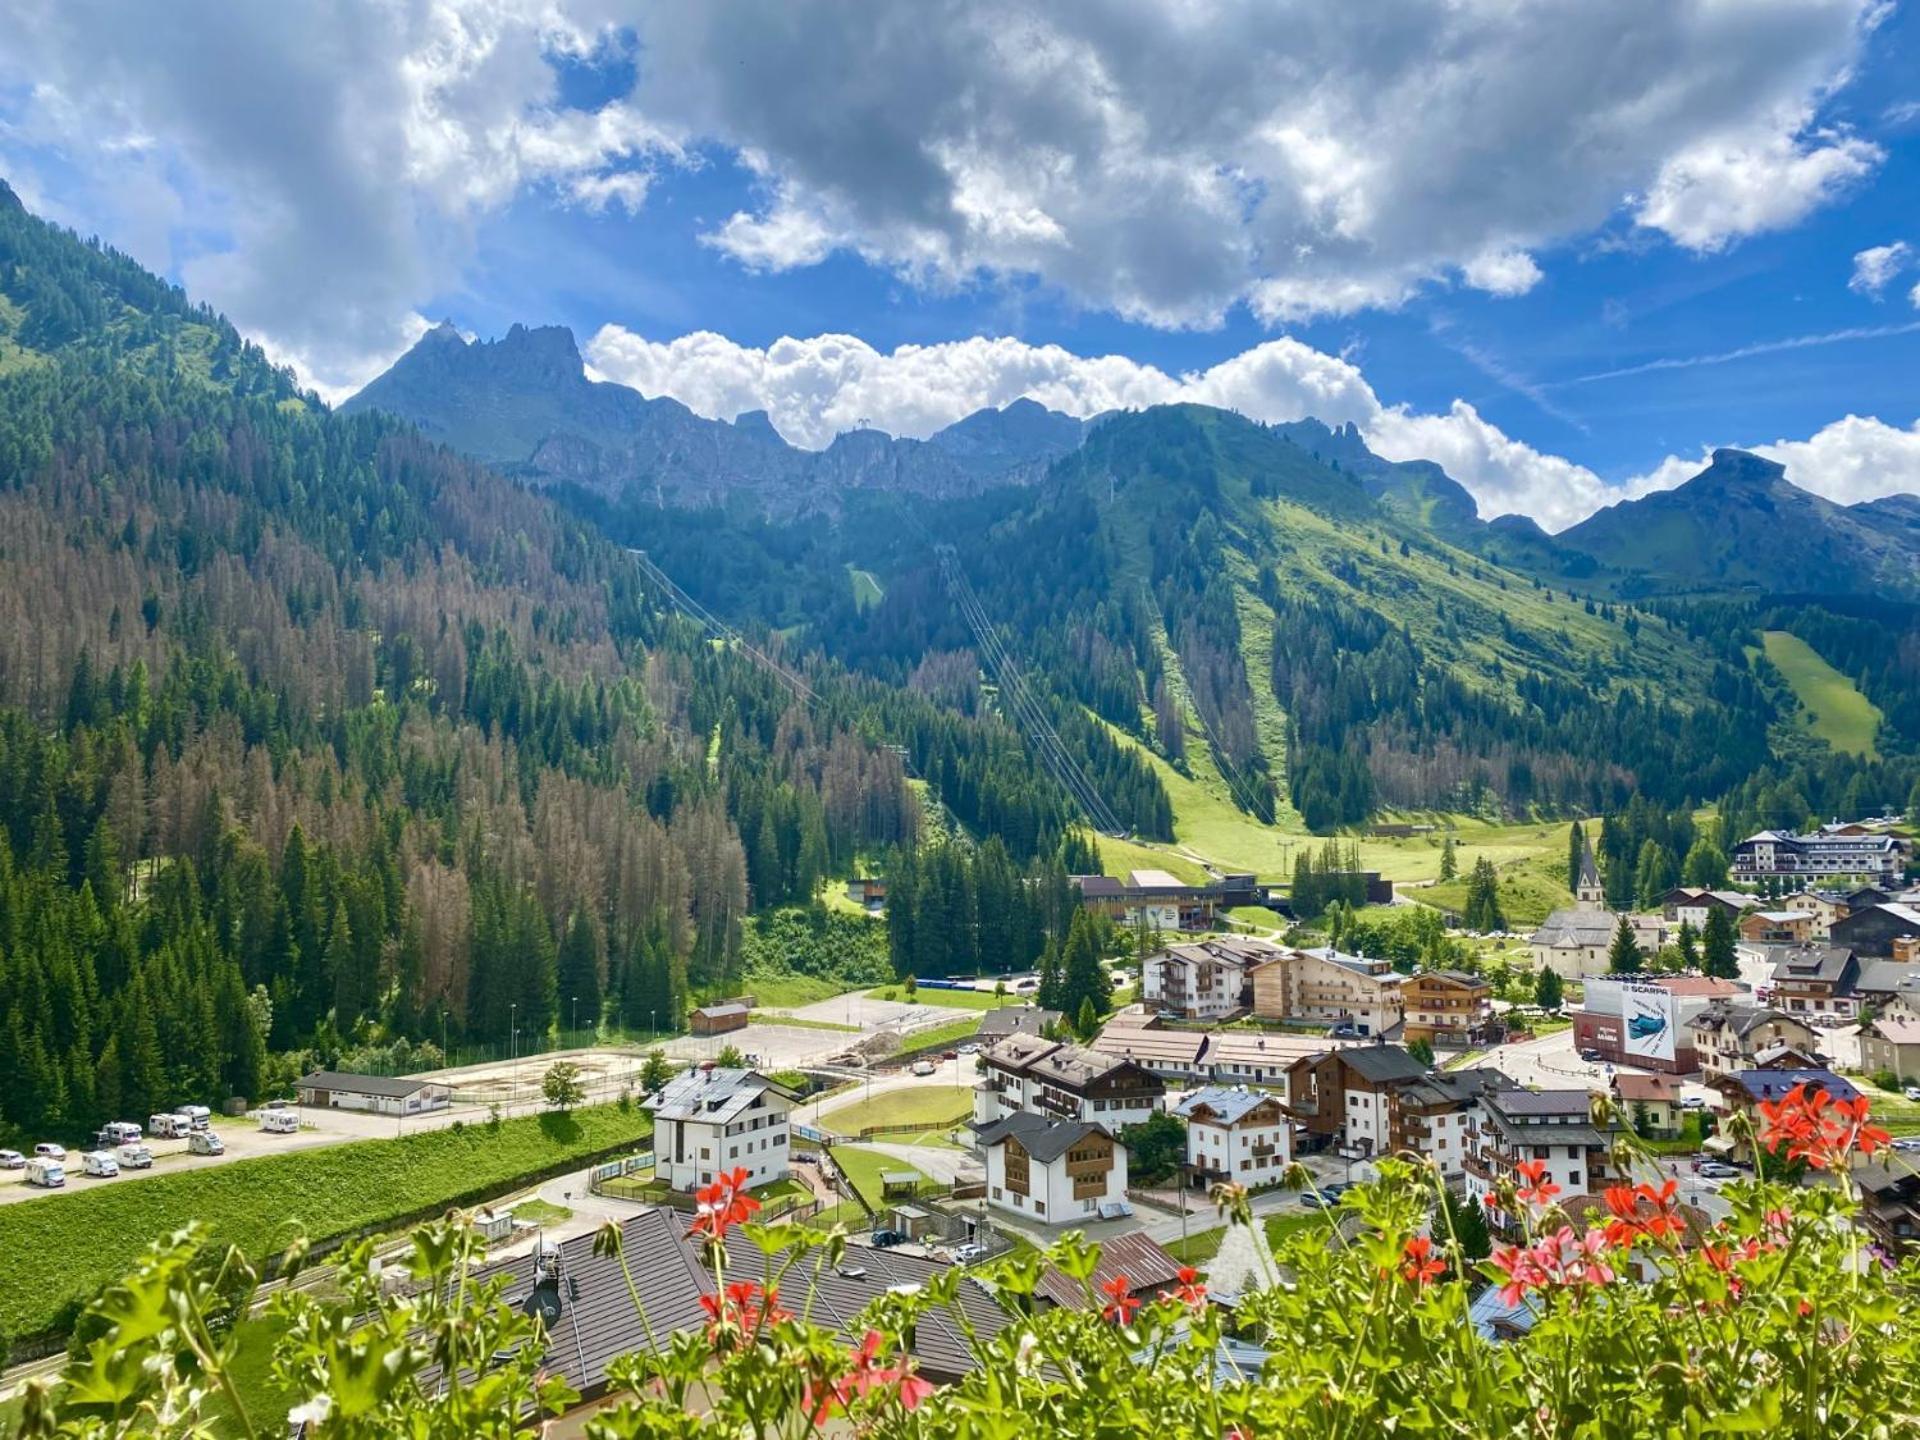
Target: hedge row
(59, 1250)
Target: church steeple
(1590, 893)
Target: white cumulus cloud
(1878, 266)
(323, 171)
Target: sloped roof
(1228, 1102)
(1772, 1084)
(390, 1087)
(1041, 1138)
(1654, 1088)
(1146, 1265)
(1017, 1020)
(715, 1096)
(1575, 928)
(1383, 1064)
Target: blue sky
(1469, 218)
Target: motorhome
(205, 1142)
(279, 1122)
(47, 1174)
(198, 1116)
(118, 1132)
(100, 1164)
(135, 1157)
(169, 1126)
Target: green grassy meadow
(61, 1249)
(1835, 709)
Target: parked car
(1314, 1200)
(1908, 1143)
(887, 1239)
(949, 1054)
(12, 1160)
(47, 1174)
(100, 1164)
(1718, 1170)
(970, 1049)
(205, 1142)
(49, 1151)
(968, 1253)
(135, 1157)
(1694, 1102)
(1591, 1056)
(923, 1067)
(1912, 1092)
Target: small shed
(915, 1222)
(898, 1182)
(719, 1019)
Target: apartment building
(1729, 1036)
(1783, 855)
(1555, 1127)
(712, 1120)
(1327, 986)
(1053, 1171)
(1237, 1135)
(1446, 1008)
(1203, 979)
(1025, 1073)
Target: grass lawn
(931, 1106)
(61, 1249)
(863, 1168)
(780, 991)
(867, 590)
(1836, 711)
(794, 1022)
(1531, 887)
(944, 1035)
(539, 1212)
(1200, 1248)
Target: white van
(46, 1150)
(198, 1116)
(100, 1164)
(47, 1174)
(279, 1122)
(135, 1157)
(923, 1067)
(169, 1126)
(205, 1142)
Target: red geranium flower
(1190, 1291)
(1419, 1267)
(1121, 1302)
(869, 1374)
(1538, 1190)
(722, 1205)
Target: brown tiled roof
(1148, 1269)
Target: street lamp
(576, 1019)
(513, 1051)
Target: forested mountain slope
(313, 733)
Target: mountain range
(524, 404)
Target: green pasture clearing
(1835, 710)
(930, 1104)
(942, 999)
(863, 1168)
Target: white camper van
(47, 1174)
(135, 1157)
(118, 1132)
(169, 1127)
(280, 1122)
(205, 1142)
(100, 1164)
(198, 1116)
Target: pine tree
(1576, 851)
(1449, 860)
(1082, 979)
(1654, 874)
(1087, 1020)
(1717, 946)
(1051, 994)
(579, 971)
(1483, 911)
(1548, 990)
(1688, 944)
(1624, 956)
(1706, 865)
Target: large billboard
(1649, 1019)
